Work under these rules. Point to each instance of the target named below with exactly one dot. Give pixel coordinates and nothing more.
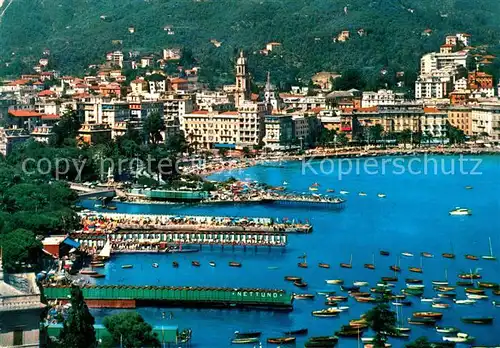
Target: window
(18, 337)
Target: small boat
(468, 187)
(389, 279)
(250, 334)
(415, 286)
(175, 264)
(342, 192)
(395, 268)
(347, 265)
(469, 276)
(212, 263)
(441, 305)
(234, 264)
(406, 254)
(97, 265)
(471, 257)
(460, 211)
(381, 195)
(365, 299)
(477, 320)
(446, 329)
(402, 303)
(97, 275)
(360, 284)
(370, 265)
(459, 338)
(442, 282)
(326, 292)
(292, 278)
(326, 313)
(415, 269)
(349, 288)
(425, 254)
(474, 291)
(496, 292)
(384, 253)
(413, 292)
(489, 257)
(422, 321)
(324, 339)
(447, 295)
(302, 331)
(495, 303)
(363, 194)
(448, 255)
(487, 285)
(248, 340)
(465, 283)
(414, 281)
(324, 265)
(334, 281)
(303, 296)
(359, 294)
(313, 189)
(436, 315)
(425, 299)
(285, 183)
(111, 207)
(444, 288)
(330, 190)
(464, 302)
(337, 298)
(302, 264)
(476, 297)
(87, 272)
(155, 265)
(272, 268)
(300, 284)
(127, 266)
(195, 263)
(281, 340)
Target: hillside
(78, 33)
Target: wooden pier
(163, 239)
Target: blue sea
(413, 217)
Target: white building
(433, 87)
(434, 61)
(464, 38)
(486, 120)
(461, 84)
(381, 97)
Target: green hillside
(77, 35)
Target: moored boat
(465, 283)
(441, 305)
(489, 257)
(300, 284)
(302, 264)
(436, 315)
(87, 272)
(234, 264)
(326, 313)
(195, 263)
(459, 338)
(413, 292)
(414, 281)
(97, 265)
(444, 288)
(281, 340)
(155, 265)
(326, 292)
(248, 340)
(302, 331)
(426, 254)
(447, 295)
(407, 254)
(477, 297)
(347, 265)
(487, 285)
(97, 275)
(324, 265)
(212, 263)
(384, 253)
(395, 268)
(175, 264)
(446, 329)
(464, 302)
(249, 334)
(469, 276)
(415, 269)
(477, 320)
(369, 266)
(460, 211)
(474, 291)
(292, 278)
(303, 296)
(360, 283)
(422, 321)
(127, 266)
(471, 257)
(402, 303)
(334, 281)
(389, 279)
(349, 288)
(365, 299)
(448, 255)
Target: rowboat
(127, 266)
(477, 320)
(441, 305)
(435, 315)
(292, 278)
(175, 264)
(250, 334)
(324, 265)
(414, 281)
(303, 296)
(97, 275)
(448, 329)
(195, 263)
(389, 279)
(245, 340)
(334, 281)
(337, 298)
(476, 297)
(97, 265)
(471, 257)
(327, 313)
(474, 291)
(300, 284)
(281, 340)
(347, 265)
(384, 253)
(469, 276)
(302, 331)
(425, 254)
(487, 285)
(234, 264)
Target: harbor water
(413, 217)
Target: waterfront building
(434, 123)
(278, 131)
(299, 102)
(251, 123)
(94, 134)
(20, 309)
(214, 100)
(175, 107)
(459, 116)
(486, 121)
(344, 99)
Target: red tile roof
(200, 112)
(46, 93)
(18, 82)
(230, 113)
(317, 110)
(24, 113)
(368, 109)
(178, 80)
(51, 117)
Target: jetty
(162, 241)
(125, 296)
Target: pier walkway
(123, 296)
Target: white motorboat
(381, 195)
(360, 284)
(407, 254)
(460, 211)
(465, 302)
(344, 192)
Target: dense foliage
(78, 329)
(129, 330)
(80, 33)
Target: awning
(225, 146)
(71, 243)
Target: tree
(222, 152)
(78, 329)
(383, 321)
(67, 127)
(405, 136)
(342, 139)
(19, 247)
(455, 135)
(152, 128)
(421, 342)
(246, 151)
(375, 133)
(350, 79)
(130, 330)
